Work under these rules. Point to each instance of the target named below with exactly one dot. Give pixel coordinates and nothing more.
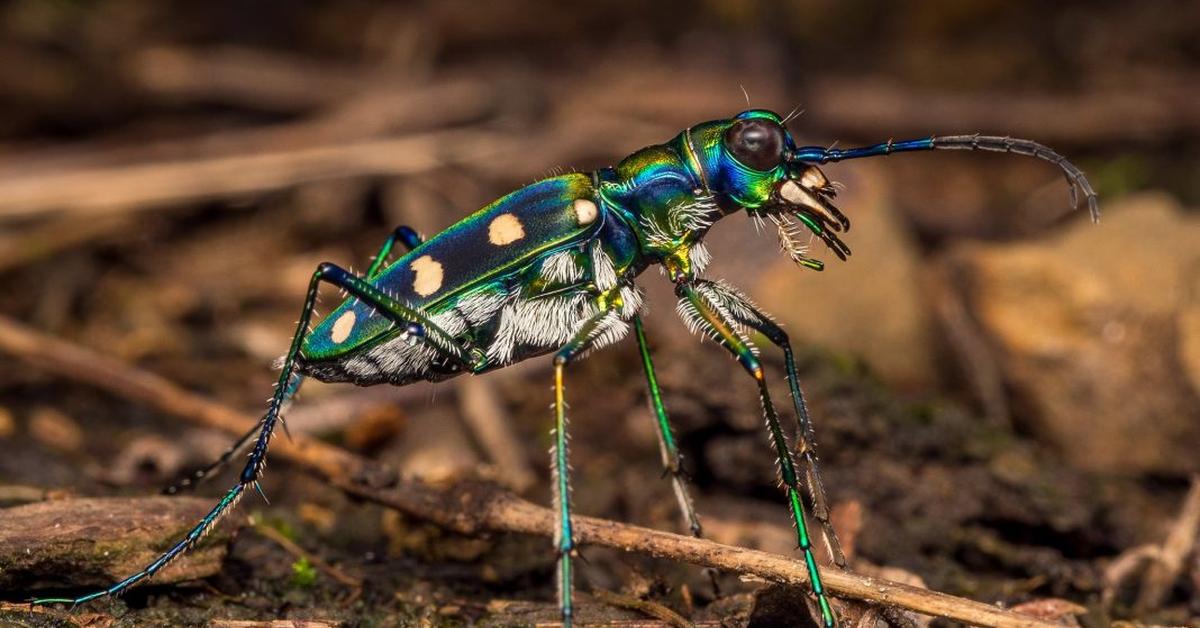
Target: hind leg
(743, 311)
(414, 321)
(403, 236)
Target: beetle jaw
(805, 198)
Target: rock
(8, 425)
(1096, 333)
(56, 430)
(147, 459)
(435, 447)
(781, 605)
(1055, 610)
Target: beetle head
(752, 166)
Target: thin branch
(244, 76)
(474, 507)
(490, 423)
(646, 607)
(101, 189)
(1171, 560)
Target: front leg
(712, 319)
(743, 311)
(672, 460)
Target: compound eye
(756, 143)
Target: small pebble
(374, 427)
(56, 430)
(8, 425)
(147, 459)
(320, 517)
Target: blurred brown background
(1006, 396)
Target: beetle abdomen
(498, 240)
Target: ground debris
(1102, 355)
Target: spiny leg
(200, 475)
(403, 236)
(407, 318)
(413, 321)
(705, 316)
(745, 312)
(807, 439)
(671, 459)
(564, 537)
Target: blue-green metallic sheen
(468, 260)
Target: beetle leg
(714, 320)
(564, 538)
(326, 272)
(404, 236)
(672, 461)
(200, 475)
(748, 314)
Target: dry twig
(1171, 560)
(123, 188)
(491, 425)
(657, 611)
(1167, 562)
(474, 507)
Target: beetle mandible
(550, 268)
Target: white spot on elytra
(585, 211)
(342, 327)
(428, 273)
(505, 229)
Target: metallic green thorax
(670, 194)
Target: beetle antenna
(991, 143)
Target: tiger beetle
(550, 268)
